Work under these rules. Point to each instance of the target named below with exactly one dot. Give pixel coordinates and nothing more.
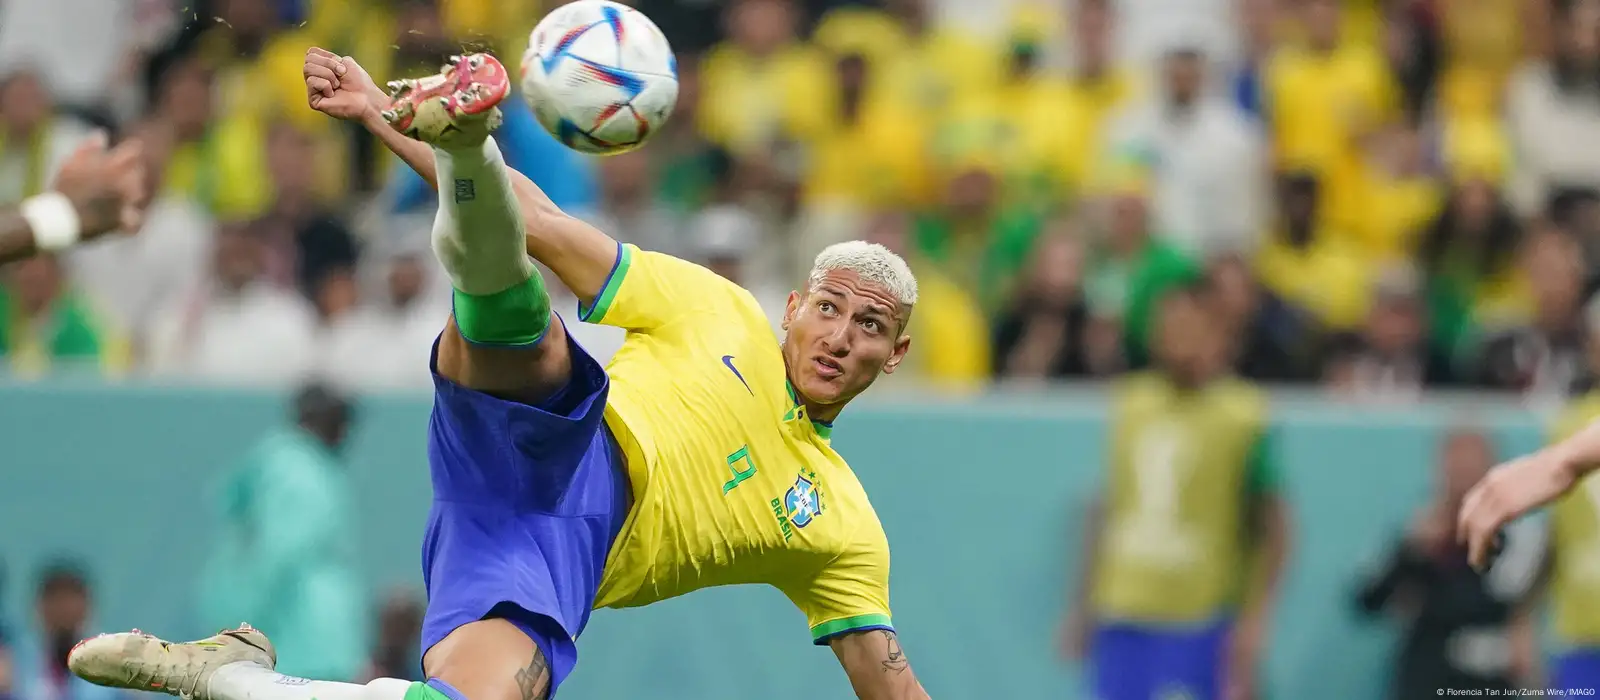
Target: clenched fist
(340, 88)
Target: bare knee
(516, 374)
(490, 660)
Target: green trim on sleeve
(1265, 474)
(596, 313)
(833, 628)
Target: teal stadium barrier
(981, 499)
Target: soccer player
(95, 193)
(700, 457)
(1185, 548)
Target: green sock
(518, 315)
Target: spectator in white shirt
(1553, 112)
(34, 140)
(1207, 157)
(235, 328)
(385, 343)
(726, 238)
(133, 278)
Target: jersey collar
(797, 410)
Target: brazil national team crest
(802, 502)
(799, 506)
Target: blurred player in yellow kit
(1572, 577)
(699, 457)
(1185, 548)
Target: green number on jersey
(739, 475)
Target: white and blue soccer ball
(600, 76)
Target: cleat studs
(389, 115)
(475, 61)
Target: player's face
(1186, 338)
(841, 334)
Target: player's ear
(791, 309)
(901, 346)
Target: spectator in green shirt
(1131, 268)
(973, 236)
(45, 324)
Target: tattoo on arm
(534, 679)
(896, 661)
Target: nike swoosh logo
(728, 360)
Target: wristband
(53, 219)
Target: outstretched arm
(580, 255)
(877, 666)
(95, 193)
(1516, 488)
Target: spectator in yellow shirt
(1041, 129)
(257, 59)
(1482, 45)
(950, 327)
(871, 150)
(926, 64)
(1323, 100)
(1402, 196)
(1026, 129)
(762, 87)
(1309, 268)
(217, 164)
(1097, 87)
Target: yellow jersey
(1184, 467)
(1575, 542)
(732, 482)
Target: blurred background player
(506, 374)
(285, 544)
(1185, 549)
(1571, 581)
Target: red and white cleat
(455, 108)
(138, 661)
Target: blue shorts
(1576, 669)
(1140, 662)
(526, 503)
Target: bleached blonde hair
(874, 263)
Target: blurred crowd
(1384, 195)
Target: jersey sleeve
(647, 291)
(850, 594)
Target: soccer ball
(599, 76)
